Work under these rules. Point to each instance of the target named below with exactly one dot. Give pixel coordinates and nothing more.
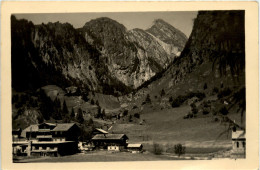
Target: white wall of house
(239, 146)
(113, 148)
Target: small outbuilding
(135, 148)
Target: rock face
(218, 37)
(101, 56)
(172, 39)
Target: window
(244, 144)
(237, 144)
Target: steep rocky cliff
(102, 56)
(217, 37)
(172, 39)
(212, 63)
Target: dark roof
(59, 127)
(109, 137)
(63, 126)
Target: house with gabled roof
(238, 143)
(111, 142)
(49, 139)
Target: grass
(102, 156)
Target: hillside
(202, 94)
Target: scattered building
(111, 142)
(84, 146)
(135, 148)
(238, 144)
(48, 139)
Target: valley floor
(106, 156)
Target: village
(49, 139)
(61, 139)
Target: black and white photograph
(128, 86)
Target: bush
(205, 112)
(125, 113)
(170, 99)
(194, 108)
(134, 107)
(181, 99)
(223, 111)
(137, 115)
(224, 92)
(179, 149)
(157, 149)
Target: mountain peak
(167, 33)
(160, 21)
(105, 22)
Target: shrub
(176, 103)
(223, 111)
(224, 92)
(194, 108)
(170, 99)
(125, 113)
(134, 107)
(179, 149)
(181, 99)
(157, 149)
(205, 112)
(92, 102)
(137, 115)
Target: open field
(102, 156)
(168, 127)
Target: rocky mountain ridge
(102, 56)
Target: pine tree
(72, 114)
(148, 99)
(97, 103)
(162, 92)
(79, 116)
(103, 114)
(205, 86)
(65, 108)
(99, 114)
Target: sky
(181, 20)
